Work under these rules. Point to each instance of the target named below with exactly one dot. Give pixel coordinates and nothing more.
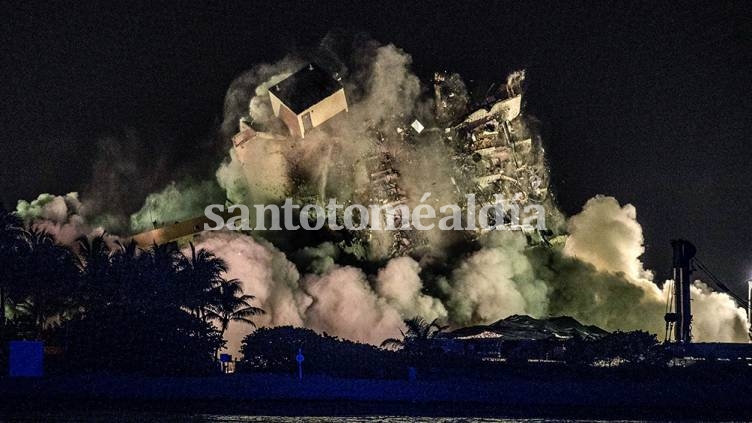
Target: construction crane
(678, 306)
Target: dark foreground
(282, 395)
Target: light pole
(749, 308)
(299, 358)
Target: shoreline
(283, 395)
(333, 408)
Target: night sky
(647, 102)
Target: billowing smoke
(266, 273)
(58, 215)
(716, 316)
(62, 217)
(391, 89)
(230, 178)
(245, 92)
(598, 282)
(339, 301)
(331, 286)
(617, 293)
(607, 236)
(178, 201)
(400, 284)
(495, 282)
(345, 305)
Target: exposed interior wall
(320, 112)
(327, 108)
(276, 103)
(293, 122)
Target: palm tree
(140, 280)
(199, 274)
(14, 241)
(95, 262)
(231, 305)
(418, 337)
(49, 279)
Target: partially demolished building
(494, 150)
(498, 153)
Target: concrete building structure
(307, 99)
(179, 233)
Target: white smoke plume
(231, 178)
(330, 162)
(400, 284)
(607, 236)
(339, 302)
(268, 165)
(505, 277)
(266, 274)
(716, 316)
(61, 216)
(495, 282)
(390, 88)
(345, 305)
(244, 92)
(178, 201)
(621, 293)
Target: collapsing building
(496, 151)
(384, 190)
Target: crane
(678, 307)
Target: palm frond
(392, 343)
(248, 311)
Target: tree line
(424, 349)
(109, 306)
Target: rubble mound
(520, 327)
